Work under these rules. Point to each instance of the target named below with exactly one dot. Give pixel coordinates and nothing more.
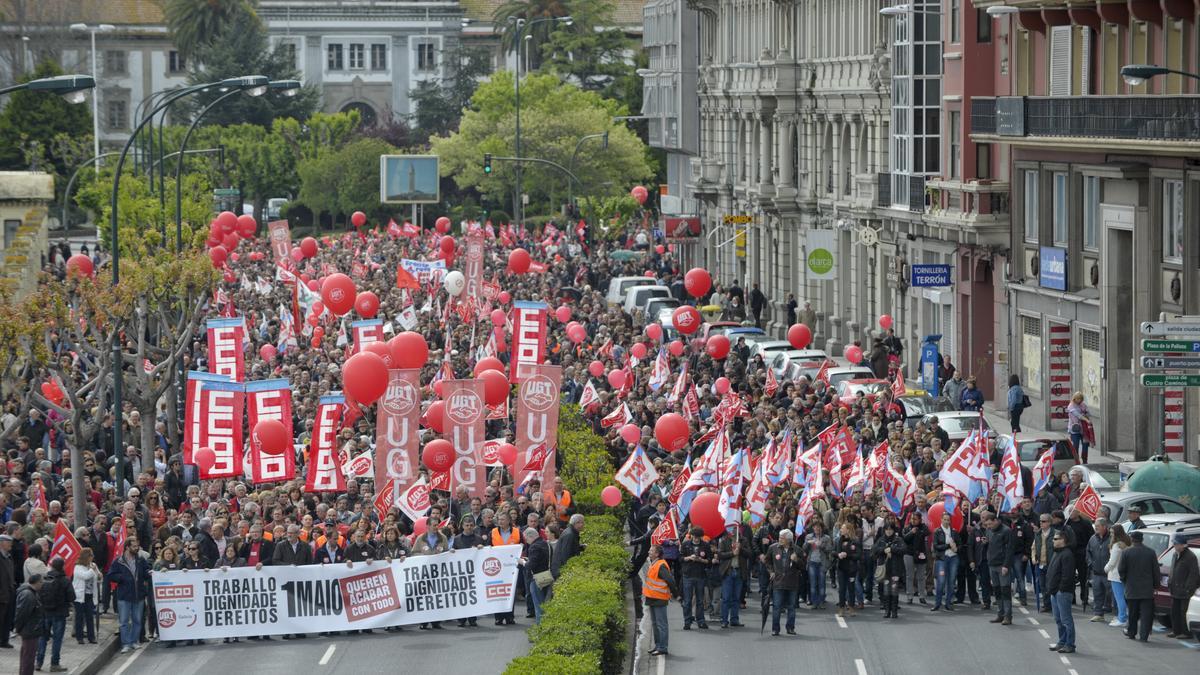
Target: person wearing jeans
(1120, 542)
(1098, 552)
(131, 574)
(1060, 586)
(695, 557)
(849, 551)
(784, 563)
(729, 553)
(657, 589)
(86, 584)
(818, 545)
(946, 546)
(57, 596)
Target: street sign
(1164, 328)
(1171, 362)
(738, 220)
(930, 276)
(1168, 380)
(1170, 346)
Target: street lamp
(244, 82)
(521, 25)
(571, 166)
(1002, 10)
(73, 88)
(1135, 75)
(101, 28)
(907, 8)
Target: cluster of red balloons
(53, 392)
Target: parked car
(1158, 537)
(769, 348)
(636, 297)
(1031, 445)
(1102, 476)
(809, 369)
(848, 391)
(618, 286)
(1162, 597)
(958, 424)
(1118, 504)
(275, 207)
(730, 329)
(661, 310)
(780, 360)
(916, 407)
(836, 375)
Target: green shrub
(554, 664)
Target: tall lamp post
(240, 83)
(73, 88)
(522, 25)
(1135, 75)
(101, 28)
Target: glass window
(983, 26)
(955, 145)
(287, 51)
(356, 56)
(115, 63)
(1172, 220)
(426, 56)
(983, 160)
(955, 11)
(1030, 199)
(1091, 212)
(175, 62)
(333, 59)
(378, 57)
(116, 115)
(1061, 194)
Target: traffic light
(487, 162)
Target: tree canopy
(34, 124)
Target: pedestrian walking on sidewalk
(658, 588)
(1016, 402)
(57, 596)
(1182, 584)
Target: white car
(836, 375)
(768, 348)
(618, 286)
(958, 424)
(779, 362)
(636, 297)
(660, 309)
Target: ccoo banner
(528, 337)
(242, 601)
(225, 348)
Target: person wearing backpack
(28, 621)
(57, 595)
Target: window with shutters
(1061, 195)
(1030, 200)
(1060, 61)
(1085, 60)
(1091, 212)
(1172, 220)
(1031, 353)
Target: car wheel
(1164, 620)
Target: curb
(107, 651)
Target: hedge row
(583, 625)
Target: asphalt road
(918, 643)
(453, 651)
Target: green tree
(530, 11)
(590, 51)
(554, 116)
(345, 180)
(33, 124)
(196, 24)
(440, 103)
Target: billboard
(409, 179)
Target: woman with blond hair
(86, 583)
(1077, 414)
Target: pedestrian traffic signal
(487, 162)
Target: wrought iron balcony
(1139, 118)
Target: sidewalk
(998, 419)
(78, 659)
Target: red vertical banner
(193, 417)
(397, 435)
(474, 266)
(1060, 373)
(1174, 401)
(366, 332)
(222, 410)
(281, 239)
(537, 423)
(464, 426)
(226, 355)
(528, 337)
(269, 400)
(324, 470)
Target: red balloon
(227, 221)
(706, 515)
(246, 226)
(686, 319)
(717, 347)
(437, 387)
(420, 526)
(495, 386)
(508, 453)
(272, 436)
(230, 241)
(382, 351)
(358, 219)
(218, 254)
(314, 286)
(229, 277)
(654, 332)
(660, 249)
(313, 319)
(640, 193)
(315, 342)
(297, 254)
(487, 363)
(631, 433)
(672, 432)
(409, 350)
(577, 333)
(318, 332)
(308, 246)
(318, 308)
(442, 225)
(853, 354)
(616, 378)
(211, 242)
(204, 458)
(233, 256)
(267, 352)
(697, 281)
(638, 350)
(518, 261)
(885, 321)
(505, 297)
(610, 495)
(365, 377)
(438, 455)
(338, 293)
(435, 417)
(676, 348)
(799, 336)
(596, 368)
(80, 264)
(498, 318)
(721, 385)
(367, 304)
(935, 517)
(214, 231)
(563, 313)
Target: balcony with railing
(1169, 121)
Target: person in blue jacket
(131, 574)
(972, 398)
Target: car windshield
(630, 283)
(1032, 450)
(867, 388)
(963, 424)
(919, 406)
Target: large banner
(281, 239)
(221, 412)
(537, 424)
(269, 400)
(194, 412)
(425, 271)
(365, 332)
(226, 355)
(242, 601)
(397, 435)
(528, 337)
(324, 470)
(474, 266)
(464, 425)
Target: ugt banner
(365, 332)
(281, 239)
(537, 424)
(243, 601)
(397, 436)
(226, 355)
(464, 422)
(474, 265)
(195, 412)
(528, 337)
(269, 400)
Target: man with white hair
(568, 545)
(784, 564)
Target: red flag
(772, 383)
(405, 279)
(265, 400)
(823, 373)
(1088, 503)
(65, 546)
(666, 530)
(117, 543)
(537, 423)
(324, 471)
(385, 499)
(898, 386)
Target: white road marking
(841, 622)
(327, 655)
(1064, 660)
(1033, 621)
(860, 666)
(1043, 633)
(129, 661)
(1072, 671)
(661, 666)
(1023, 610)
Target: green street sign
(1170, 346)
(1156, 380)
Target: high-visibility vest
(498, 539)
(654, 587)
(560, 506)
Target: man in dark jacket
(1000, 549)
(1182, 584)
(131, 574)
(28, 621)
(568, 545)
(57, 596)
(292, 551)
(1139, 569)
(1082, 532)
(696, 557)
(1097, 557)
(734, 569)
(1060, 585)
(8, 588)
(889, 554)
(784, 562)
(764, 538)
